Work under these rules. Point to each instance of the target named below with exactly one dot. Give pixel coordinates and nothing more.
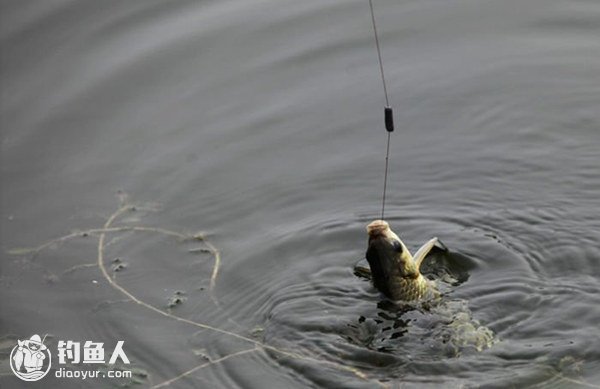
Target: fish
(18, 357)
(395, 272)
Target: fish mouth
(387, 255)
(380, 230)
(377, 227)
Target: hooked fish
(394, 271)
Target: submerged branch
(108, 228)
(209, 363)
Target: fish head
(387, 255)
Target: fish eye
(397, 246)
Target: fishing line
(387, 111)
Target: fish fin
(426, 249)
(362, 269)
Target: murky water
(259, 124)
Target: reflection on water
(258, 125)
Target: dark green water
(259, 123)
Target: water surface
(259, 123)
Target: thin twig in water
(108, 228)
(574, 381)
(209, 363)
(78, 267)
(101, 304)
